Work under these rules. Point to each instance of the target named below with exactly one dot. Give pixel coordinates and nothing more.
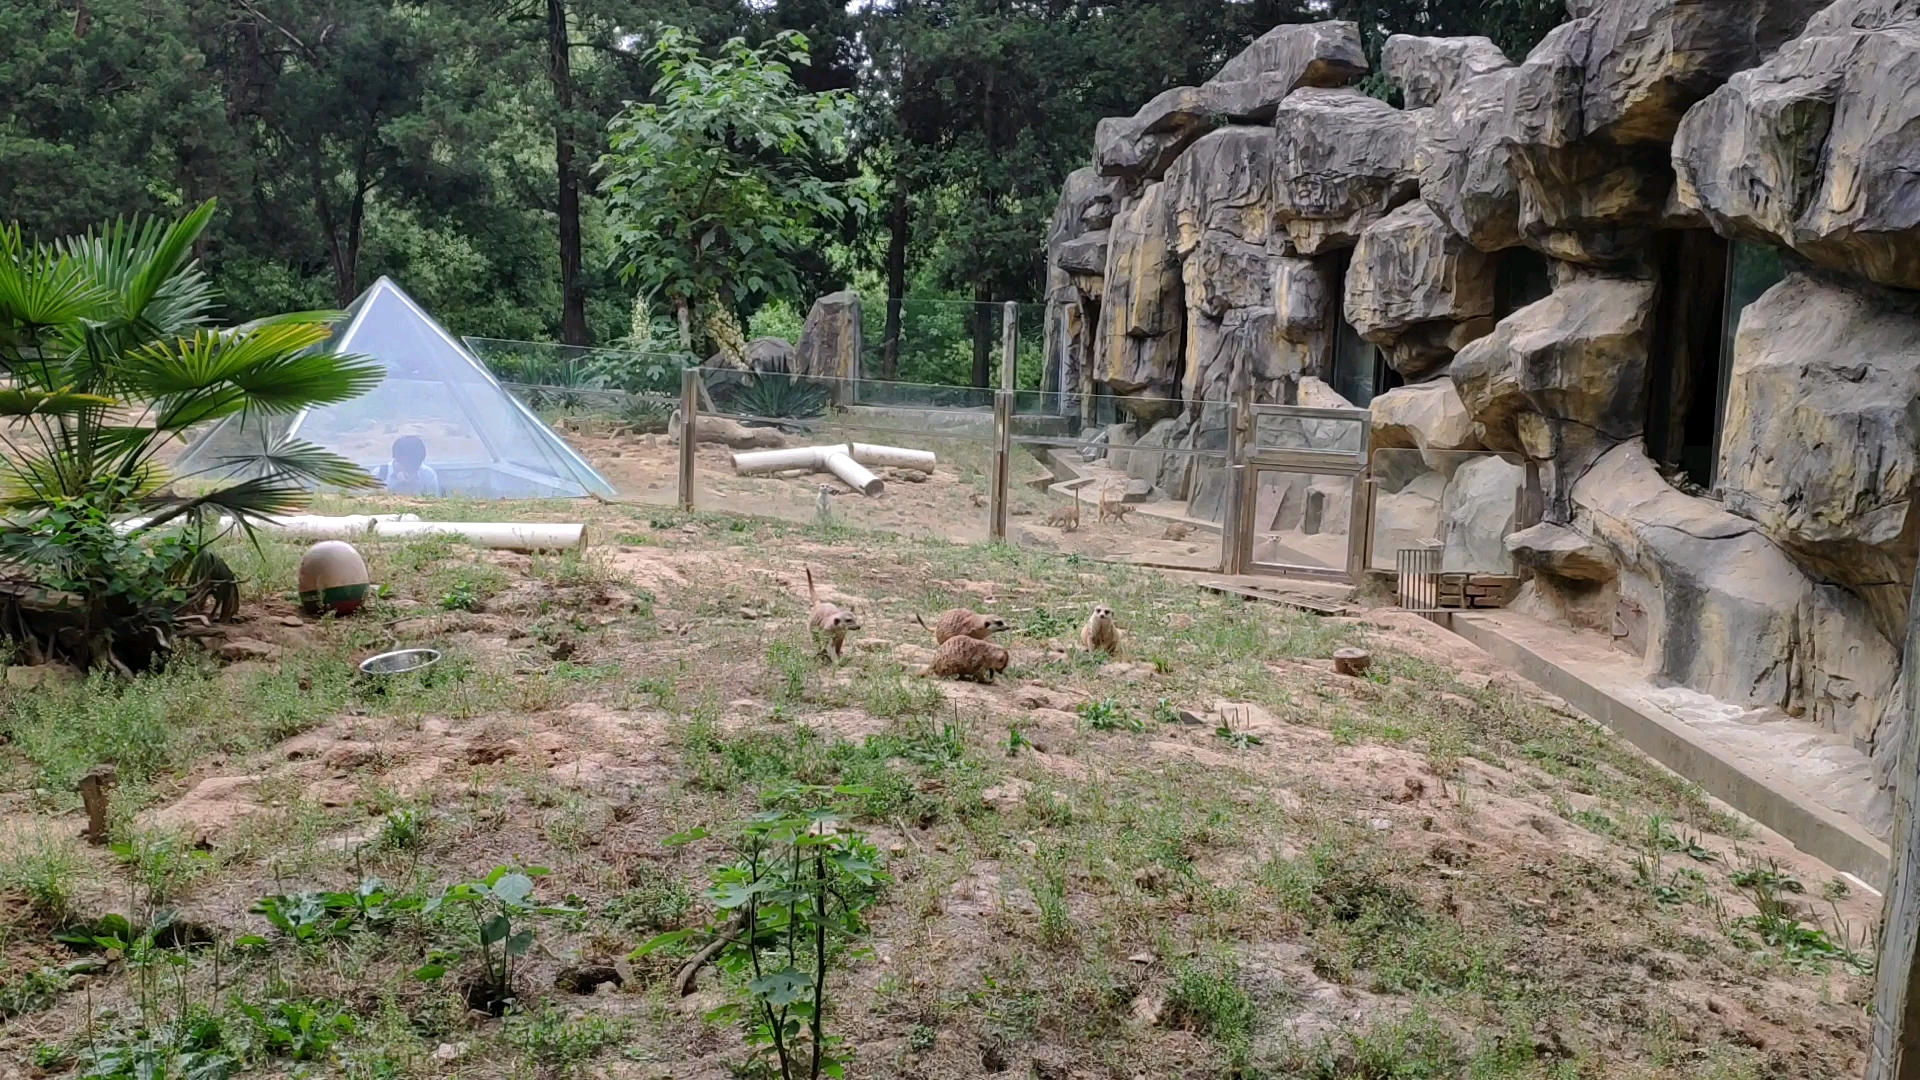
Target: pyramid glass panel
(438, 424)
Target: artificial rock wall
(1223, 233)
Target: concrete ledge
(1762, 793)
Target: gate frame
(1249, 460)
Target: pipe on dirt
(499, 535)
(853, 474)
(815, 457)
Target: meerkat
(1111, 507)
(960, 622)
(1067, 518)
(967, 658)
(1100, 634)
(823, 506)
(1176, 530)
(829, 623)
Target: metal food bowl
(400, 662)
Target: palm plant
(108, 358)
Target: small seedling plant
(788, 909)
(501, 911)
(1109, 715)
(313, 917)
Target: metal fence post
(1235, 535)
(1003, 423)
(689, 432)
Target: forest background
(452, 144)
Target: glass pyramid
(480, 440)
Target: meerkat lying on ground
(967, 658)
(1176, 530)
(829, 623)
(1100, 634)
(960, 622)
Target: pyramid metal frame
(584, 475)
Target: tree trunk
(982, 334)
(341, 255)
(573, 298)
(898, 221)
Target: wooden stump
(93, 792)
(1351, 661)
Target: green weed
(43, 867)
(1207, 997)
(1109, 715)
(560, 1044)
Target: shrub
(107, 355)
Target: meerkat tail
(922, 622)
(810, 597)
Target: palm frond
(143, 264)
(209, 358)
(289, 383)
(327, 316)
(22, 403)
(270, 369)
(247, 502)
(303, 461)
(41, 287)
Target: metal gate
(1301, 493)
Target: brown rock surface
(1409, 271)
(1341, 161)
(1821, 444)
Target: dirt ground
(1208, 856)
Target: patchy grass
(1403, 876)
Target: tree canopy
(451, 143)
(719, 182)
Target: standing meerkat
(960, 622)
(1067, 518)
(1100, 634)
(967, 658)
(829, 623)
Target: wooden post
(93, 792)
(689, 432)
(1894, 1053)
(1003, 423)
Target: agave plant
(108, 357)
(776, 397)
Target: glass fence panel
(1462, 501)
(1302, 519)
(806, 449)
(1135, 479)
(1287, 431)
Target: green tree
(717, 186)
(109, 358)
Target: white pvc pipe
(815, 457)
(502, 535)
(895, 456)
(853, 474)
(812, 458)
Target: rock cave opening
(1688, 361)
(1356, 368)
